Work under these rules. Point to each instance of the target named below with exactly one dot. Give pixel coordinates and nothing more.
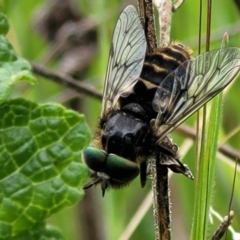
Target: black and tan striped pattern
(165, 60)
(155, 69)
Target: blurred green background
(83, 53)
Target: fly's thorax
(125, 132)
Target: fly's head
(118, 161)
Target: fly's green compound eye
(94, 158)
(113, 165)
(121, 168)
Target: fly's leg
(168, 152)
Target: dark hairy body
(145, 97)
(127, 132)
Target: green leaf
(4, 27)
(12, 68)
(40, 162)
(40, 231)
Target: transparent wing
(193, 84)
(127, 53)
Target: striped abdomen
(155, 69)
(165, 60)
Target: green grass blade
(205, 177)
